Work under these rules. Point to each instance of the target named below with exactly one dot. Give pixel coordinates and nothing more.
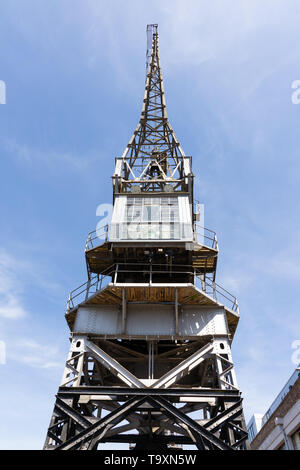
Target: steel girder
(151, 412)
(148, 414)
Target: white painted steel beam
(114, 366)
(184, 367)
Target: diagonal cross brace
(114, 366)
(226, 415)
(183, 368)
(196, 438)
(164, 382)
(189, 422)
(71, 413)
(102, 425)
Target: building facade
(280, 425)
(254, 426)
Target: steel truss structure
(153, 159)
(150, 359)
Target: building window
(296, 440)
(151, 218)
(152, 210)
(282, 446)
(251, 432)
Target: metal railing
(152, 275)
(94, 238)
(203, 236)
(87, 289)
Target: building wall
(272, 435)
(254, 426)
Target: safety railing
(151, 274)
(87, 289)
(153, 231)
(205, 237)
(96, 237)
(217, 292)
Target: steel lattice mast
(151, 330)
(153, 148)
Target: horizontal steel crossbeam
(170, 392)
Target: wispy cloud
(33, 354)
(22, 347)
(50, 158)
(19, 275)
(11, 304)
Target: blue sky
(74, 72)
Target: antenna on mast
(151, 31)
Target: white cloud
(237, 281)
(11, 308)
(284, 264)
(32, 354)
(191, 32)
(50, 158)
(10, 289)
(17, 275)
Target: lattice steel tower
(151, 330)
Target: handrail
(114, 274)
(209, 236)
(86, 288)
(97, 235)
(102, 233)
